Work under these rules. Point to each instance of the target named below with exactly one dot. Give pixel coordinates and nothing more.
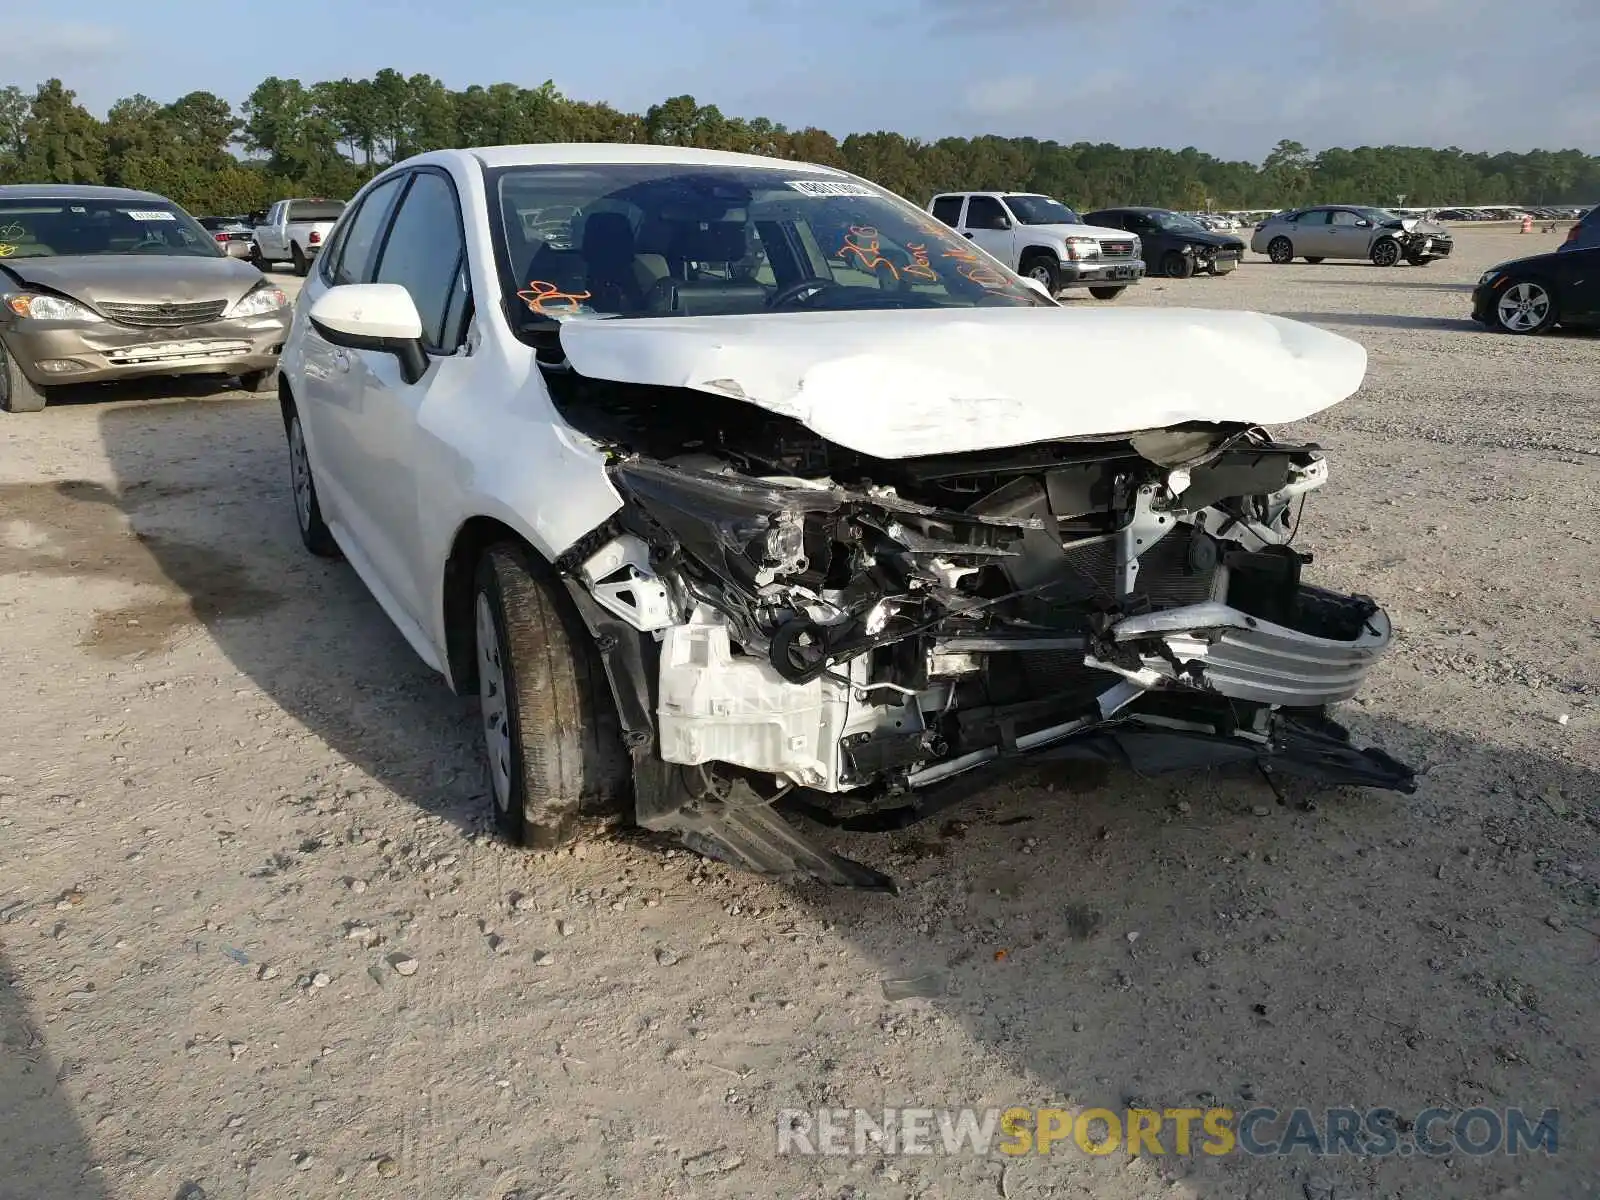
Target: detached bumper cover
(1216, 648)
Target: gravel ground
(256, 940)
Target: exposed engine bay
(784, 619)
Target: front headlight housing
(259, 302)
(1079, 249)
(1488, 276)
(34, 307)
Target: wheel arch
(1035, 249)
(456, 584)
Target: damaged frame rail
(866, 660)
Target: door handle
(966, 235)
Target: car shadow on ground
(1385, 321)
(1193, 940)
(39, 1132)
(1437, 285)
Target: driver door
(989, 225)
(390, 454)
(1349, 235)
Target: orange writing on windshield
(975, 269)
(863, 242)
(541, 297)
(919, 266)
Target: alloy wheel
(492, 704)
(1524, 307)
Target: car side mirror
(380, 317)
(1002, 223)
(1364, 224)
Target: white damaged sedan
(737, 487)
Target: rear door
(1311, 234)
(989, 225)
(327, 383)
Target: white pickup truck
(1044, 240)
(293, 232)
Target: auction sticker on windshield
(152, 215)
(827, 187)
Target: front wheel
(1107, 293)
(1525, 307)
(314, 531)
(18, 393)
(1041, 268)
(1176, 265)
(1281, 251)
(550, 729)
(1386, 253)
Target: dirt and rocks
(257, 940)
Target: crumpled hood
(137, 278)
(902, 384)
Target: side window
(424, 253)
(1320, 217)
(1343, 218)
(985, 212)
(351, 260)
(272, 214)
(948, 210)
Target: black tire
(264, 380)
(1385, 252)
(1041, 265)
(1177, 266)
(551, 736)
(1534, 320)
(1281, 251)
(256, 260)
(1316, 260)
(1418, 260)
(1108, 293)
(302, 264)
(314, 531)
(18, 393)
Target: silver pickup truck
(293, 232)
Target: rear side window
(948, 210)
(351, 261)
(424, 253)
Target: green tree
(61, 140)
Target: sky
(1477, 74)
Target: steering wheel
(799, 289)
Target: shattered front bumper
(1212, 647)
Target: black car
(1534, 295)
(1174, 244)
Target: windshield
(636, 240)
(73, 228)
(1041, 210)
(1177, 223)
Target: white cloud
(58, 48)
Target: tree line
(326, 139)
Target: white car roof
(614, 153)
